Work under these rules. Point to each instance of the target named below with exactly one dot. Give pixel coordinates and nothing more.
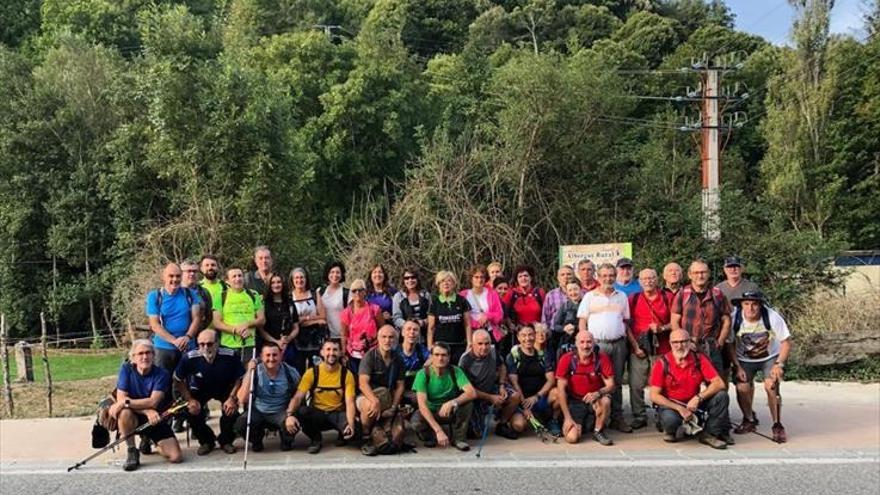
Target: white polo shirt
(605, 314)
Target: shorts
(582, 413)
(752, 367)
(156, 433)
(381, 393)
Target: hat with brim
(750, 296)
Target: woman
(312, 320)
(449, 316)
(411, 302)
(334, 296)
(360, 326)
(380, 293)
(524, 300)
(495, 270)
(486, 310)
(282, 319)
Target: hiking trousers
(717, 422)
(204, 434)
(260, 422)
(459, 421)
(639, 368)
(315, 421)
(618, 351)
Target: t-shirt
(524, 304)
(210, 380)
(532, 371)
(644, 312)
(139, 386)
(280, 317)
(252, 281)
(240, 306)
(414, 362)
(328, 394)
(481, 372)
(362, 330)
(385, 300)
(439, 389)
(605, 314)
(272, 395)
(682, 383)
(629, 288)
(333, 306)
(749, 338)
(175, 315)
(449, 315)
(585, 380)
(380, 373)
(737, 292)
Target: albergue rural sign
(597, 253)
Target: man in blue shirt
(210, 373)
(141, 392)
(625, 282)
(174, 318)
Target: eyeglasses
(679, 342)
(206, 344)
(440, 354)
(144, 353)
(190, 271)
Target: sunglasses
(409, 277)
(680, 342)
(357, 291)
(206, 344)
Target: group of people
(447, 363)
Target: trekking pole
(489, 414)
(171, 411)
(247, 431)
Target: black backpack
(159, 297)
(315, 388)
(738, 319)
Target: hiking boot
(286, 445)
(178, 426)
(145, 447)
(747, 426)
(369, 450)
(504, 430)
(555, 429)
(462, 446)
(340, 441)
(205, 448)
(727, 438)
(314, 447)
(779, 433)
(602, 438)
(639, 423)
(669, 438)
(472, 434)
(257, 445)
(430, 443)
(621, 425)
(712, 441)
(228, 448)
(133, 461)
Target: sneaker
(314, 447)
(257, 445)
(462, 446)
(369, 450)
(639, 423)
(228, 448)
(133, 461)
(205, 448)
(621, 425)
(747, 426)
(504, 430)
(602, 438)
(555, 429)
(669, 437)
(712, 441)
(145, 447)
(779, 433)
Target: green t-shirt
(215, 290)
(440, 388)
(239, 308)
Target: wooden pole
(110, 327)
(4, 356)
(55, 310)
(43, 340)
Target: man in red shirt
(676, 380)
(584, 388)
(649, 310)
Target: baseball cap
(624, 262)
(732, 261)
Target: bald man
(174, 317)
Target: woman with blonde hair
(449, 316)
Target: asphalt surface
(849, 476)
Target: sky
(772, 18)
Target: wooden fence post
(4, 356)
(46, 363)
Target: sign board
(597, 253)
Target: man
(380, 379)
(650, 332)
(676, 379)
(275, 383)
(190, 280)
(445, 397)
(531, 375)
(704, 313)
(762, 342)
(671, 279)
(584, 382)
(586, 274)
(257, 280)
(734, 285)
(141, 391)
(414, 356)
(485, 371)
(604, 312)
(174, 317)
(237, 314)
(210, 373)
(625, 282)
(210, 268)
(555, 299)
(331, 393)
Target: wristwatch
(454, 404)
(780, 364)
(127, 404)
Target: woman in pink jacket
(486, 310)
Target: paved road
(798, 476)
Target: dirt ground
(71, 398)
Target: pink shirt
(362, 329)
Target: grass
(70, 365)
(69, 398)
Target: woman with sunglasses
(411, 302)
(360, 326)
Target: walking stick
(171, 411)
(489, 414)
(247, 431)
